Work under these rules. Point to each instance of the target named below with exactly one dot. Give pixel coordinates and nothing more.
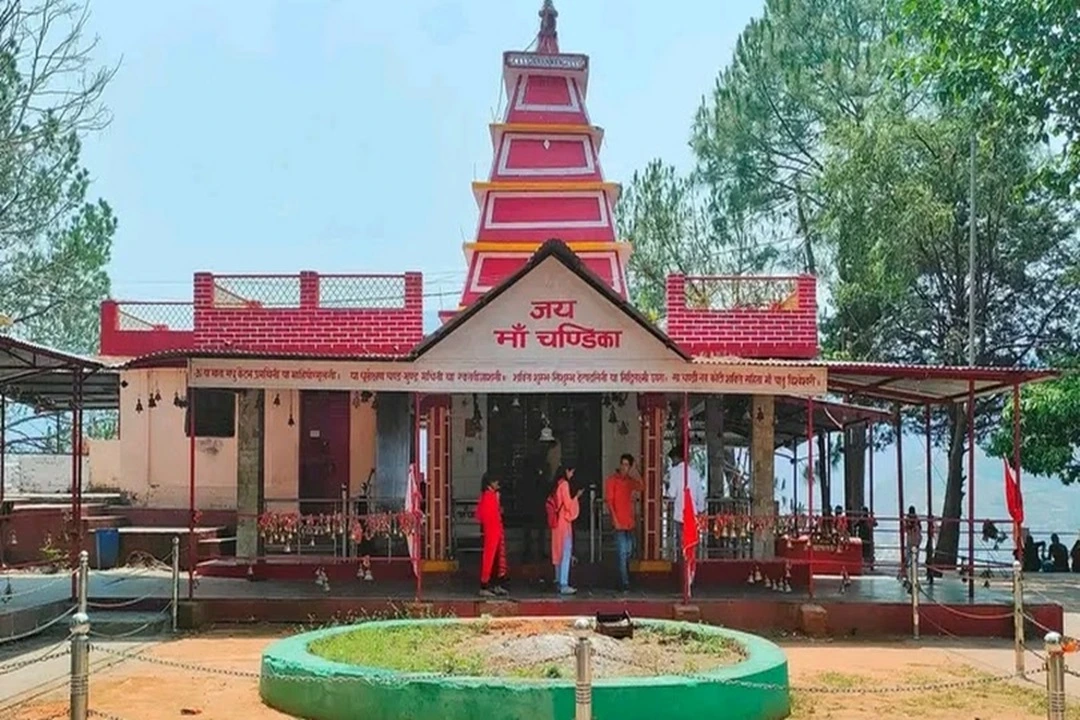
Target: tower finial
(547, 41)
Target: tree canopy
(820, 141)
(54, 240)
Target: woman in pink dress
(562, 511)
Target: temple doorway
(324, 450)
(530, 435)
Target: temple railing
(131, 328)
(744, 316)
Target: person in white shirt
(673, 489)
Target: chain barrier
(39, 628)
(157, 619)
(9, 593)
(883, 690)
(697, 676)
(60, 649)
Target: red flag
(412, 507)
(1014, 499)
(689, 533)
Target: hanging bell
(623, 429)
(757, 575)
(157, 395)
(612, 417)
(750, 580)
(151, 402)
(176, 399)
(138, 405)
(277, 399)
(291, 421)
(515, 403)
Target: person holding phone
(562, 507)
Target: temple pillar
(437, 414)
(652, 409)
(393, 446)
(763, 475)
(855, 467)
(249, 471)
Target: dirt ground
(842, 676)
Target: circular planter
(299, 683)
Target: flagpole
(1018, 539)
(686, 485)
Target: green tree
(54, 243)
(675, 230)
(1020, 56)
(54, 240)
(1049, 426)
(811, 134)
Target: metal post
(84, 581)
(345, 551)
(1018, 616)
(913, 580)
(1055, 677)
(583, 688)
(592, 524)
(175, 581)
(80, 647)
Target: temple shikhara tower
(545, 178)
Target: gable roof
(553, 248)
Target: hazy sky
(342, 135)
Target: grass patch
(415, 648)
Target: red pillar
(686, 482)
(900, 482)
(652, 463)
(971, 488)
(810, 492)
(438, 477)
(417, 535)
(191, 492)
(1017, 538)
(929, 484)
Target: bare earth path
(218, 682)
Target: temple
(281, 424)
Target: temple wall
(149, 460)
(613, 443)
(468, 451)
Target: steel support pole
(79, 700)
(899, 428)
(1055, 677)
(175, 582)
(583, 679)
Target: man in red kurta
(489, 513)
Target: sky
(342, 135)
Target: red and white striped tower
(545, 180)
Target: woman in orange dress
(562, 510)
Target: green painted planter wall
(301, 684)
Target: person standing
(493, 555)
(679, 473)
(619, 491)
(562, 508)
